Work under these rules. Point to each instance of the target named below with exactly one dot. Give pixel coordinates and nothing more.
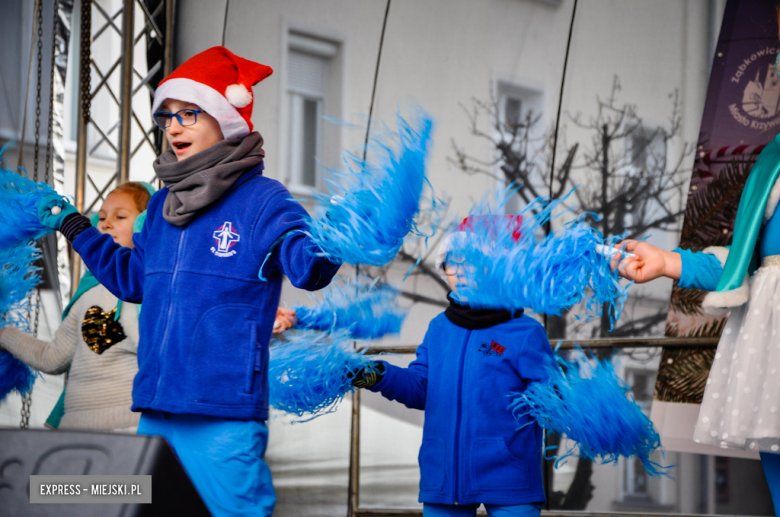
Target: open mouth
(181, 146)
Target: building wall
(439, 54)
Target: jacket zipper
(170, 311)
(458, 414)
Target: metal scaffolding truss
(121, 139)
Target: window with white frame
(309, 63)
(521, 126)
(646, 162)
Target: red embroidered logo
(492, 349)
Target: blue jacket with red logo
(472, 449)
(207, 317)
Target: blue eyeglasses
(186, 117)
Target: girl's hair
(140, 194)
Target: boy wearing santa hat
(208, 268)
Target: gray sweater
(100, 386)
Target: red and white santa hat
(220, 83)
(492, 224)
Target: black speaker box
(26, 453)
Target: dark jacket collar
(476, 319)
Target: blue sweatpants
(771, 464)
(223, 457)
(493, 510)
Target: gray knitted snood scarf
(198, 181)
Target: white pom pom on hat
(238, 95)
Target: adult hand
(648, 263)
(285, 320)
(53, 209)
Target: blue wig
(517, 268)
(365, 310)
(585, 400)
(366, 221)
(310, 372)
(19, 198)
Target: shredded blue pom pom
(585, 400)
(365, 310)
(366, 221)
(310, 372)
(19, 198)
(18, 277)
(548, 274)
(14, 376)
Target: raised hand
(648, 263)
(53, 209)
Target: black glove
(369, 376)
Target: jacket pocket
(223, 348)
(432, 464)
(493, 467)
(253, 365)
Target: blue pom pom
(586, 401)
(366, 221)
(14, 376)
(364, 310)
(548, 274)
(310, 372)
(18, 276)
(19, 198)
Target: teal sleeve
(699, 270)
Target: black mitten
(369, 376)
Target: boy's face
(455, 271)
(116, 217)
(187, 141)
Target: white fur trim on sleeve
(719, 252)
(210, 100)
(718, 303)
(771, 204)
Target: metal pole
(168, 54)
(85, 82)
(126, 92)
(354, 457)
(23, 136)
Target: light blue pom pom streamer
(367, 214)
(14, 376)
(310, 372)
(364, 310)
(585, 400)
(18, 277)
(19, 198)
(548, 274)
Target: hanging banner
(741, 115)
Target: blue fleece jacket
(207, 317)
(472, 450)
